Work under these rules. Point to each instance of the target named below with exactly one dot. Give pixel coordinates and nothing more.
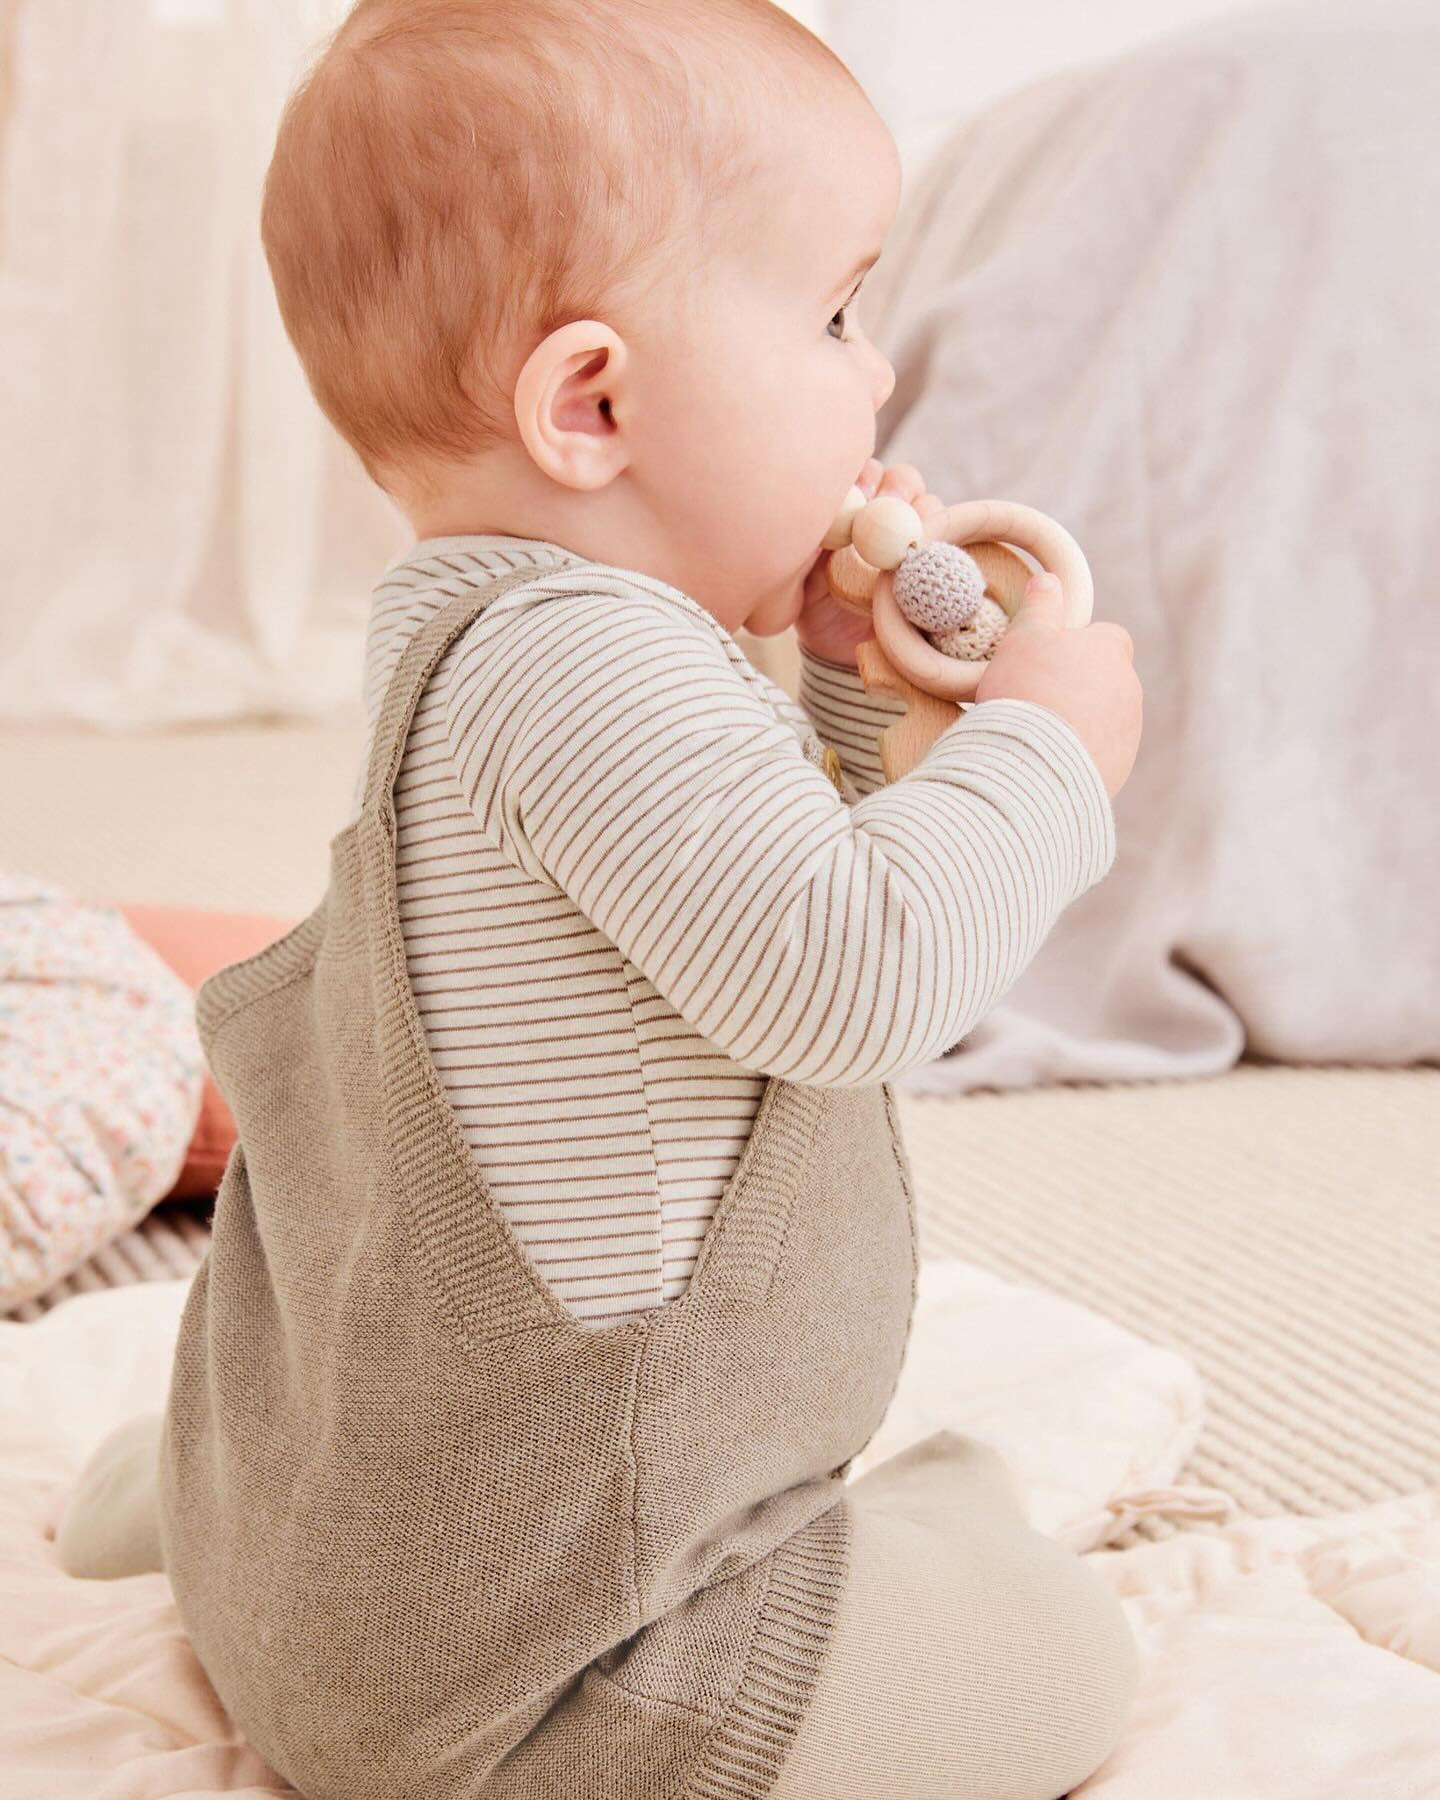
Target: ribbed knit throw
(429, 1536)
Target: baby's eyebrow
(867, 262)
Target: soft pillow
(1094, 1423)
(195, 943)
(100, 1081)
(1181, 300)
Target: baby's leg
(973, 1658)
(111, 1523)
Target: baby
(567, 1256)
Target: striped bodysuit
(630, 893)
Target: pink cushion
(195, 943)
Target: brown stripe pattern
(629, 897)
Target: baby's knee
(973, 1657)
(1085, 1668)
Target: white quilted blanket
(1282, 1659)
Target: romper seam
(732, 1698)
(653, 1701)
(802, 1155)
(700, 1777)
(632, 1464)
(218, 1021)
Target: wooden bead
(851, 579)
(838, 535)
(885, 529)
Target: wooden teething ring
(901, 660)
(982, 524)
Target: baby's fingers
(901, 479)
(1109, 629)
(905, 480)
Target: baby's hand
(1085, 673)
(825, 627)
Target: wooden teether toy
(940, 596)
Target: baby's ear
(570, 405)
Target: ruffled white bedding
(1283, 1659)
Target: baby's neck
(490, 503)
(615, 525)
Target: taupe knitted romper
(429, 1535)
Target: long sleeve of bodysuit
(847, 717)
(607, 744)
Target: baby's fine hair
(454, 179)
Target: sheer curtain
(182, 536)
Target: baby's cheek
(777, 613)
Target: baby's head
(583, 270)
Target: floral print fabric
(100, 1081)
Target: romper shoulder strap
(417, 664)
(234, 986)
(486, 1276)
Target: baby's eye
(847, 307)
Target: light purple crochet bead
(939, 587)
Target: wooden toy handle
(904, 743)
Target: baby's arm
(610, 749)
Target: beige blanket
(1184, 302)
(1282, 1659)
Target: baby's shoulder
(585, 624)
(607, 653)
(582, 592)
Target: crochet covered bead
(976, 641)
(939, 587)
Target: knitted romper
(432, 1537)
